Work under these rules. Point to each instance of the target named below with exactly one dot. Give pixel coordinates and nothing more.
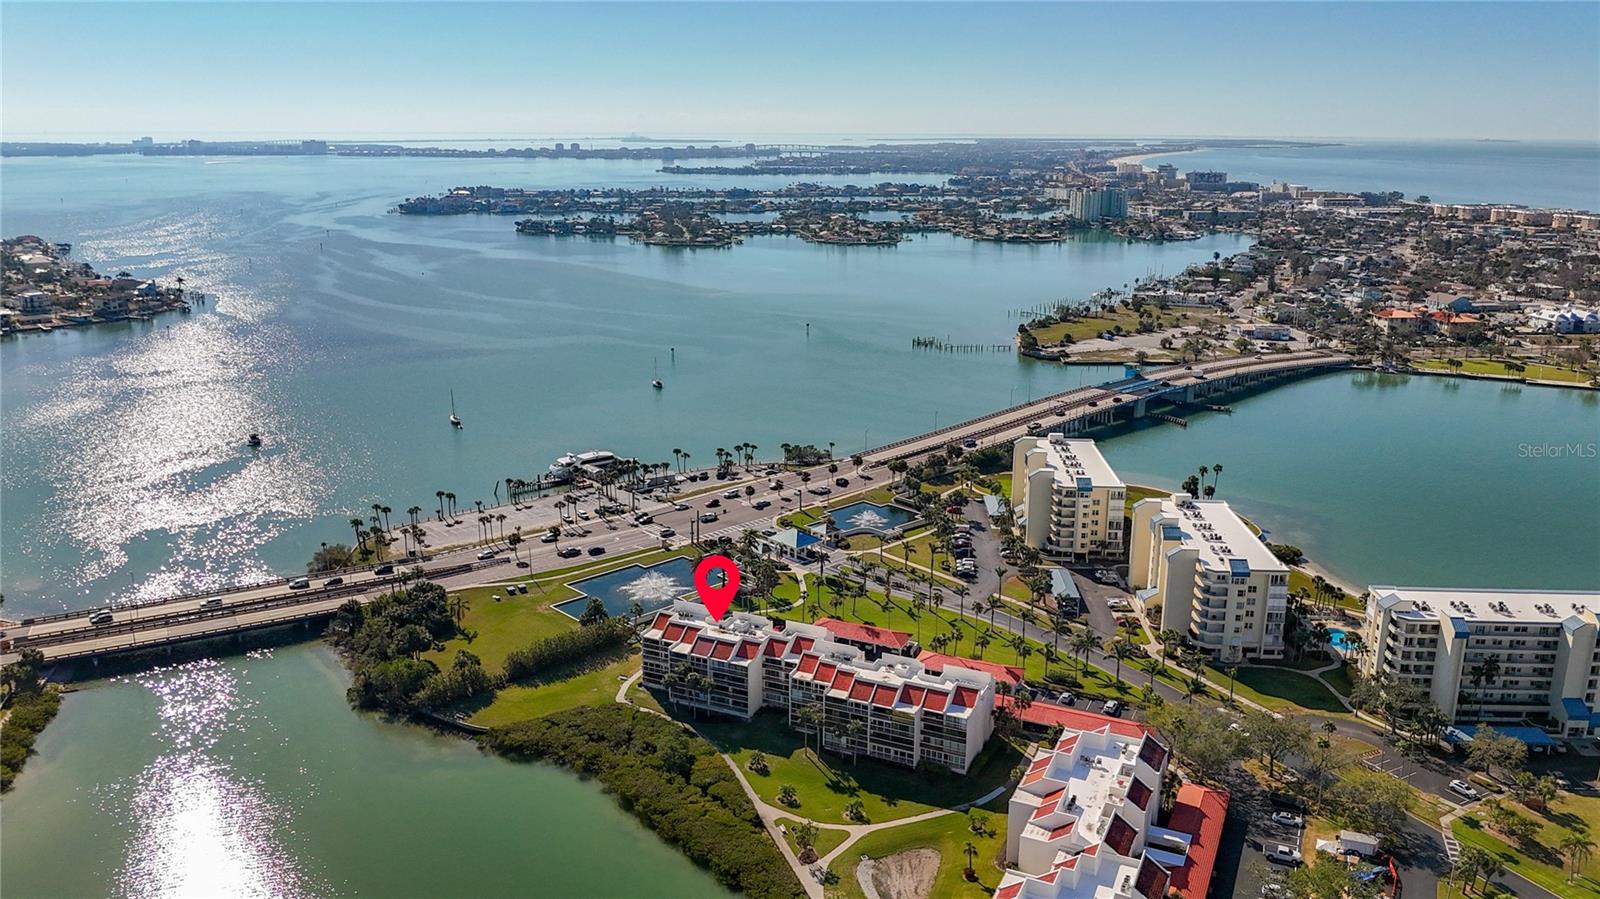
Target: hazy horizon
(1308, 71)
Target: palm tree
(677, 456)
(981, 643)
(1216, 472)
(1119, 648)
(854, 730)
(1083, 643)
(451, 499)
(992, 605)
(458, 606)
(970, 851)
(361, 534)
(1233, 672)
(1193, 686)
(810, 718)
(1578, 848)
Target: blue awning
(1575, 709)
(1533, 736)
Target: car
(713, 503)
(1283, 855)
(486, 555)
(597, 550)
(681, 507)
(385, 568)
(1287, 819)
(582, 513)
(1034, 427)
(567, 552)
(549, 537)
(730, 494)
(841, 482)
(704, 476)
(1093, 403)
(760, 504)
(707, 517)
(668, 532)
(962, 552)
(1112, 707)
(1464, 790)
(299, 583)
(211, 602)
(1065, 698)
(101, 616)
(775, 484)
(523, 563)
(644, 518)
(333, 582)
(821, 491)
(970, 443)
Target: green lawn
(1091, 325)
(594, 683)
(1535, 370)
(828, 838)
(949, 834)
(1279, 689)
(1339, 678)
(1136, 493)
(829, 782)
(1539, 860)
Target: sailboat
(655, 374)
(455, 420)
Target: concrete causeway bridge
(76, 635)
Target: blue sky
(1405, 70)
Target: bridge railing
(234, 611)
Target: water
(1386, 479)
(340, 331)
(653, 587)
(251, 777)
(1559, 175)
(1336, 639)
(864, 516)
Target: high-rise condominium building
(1067, 501)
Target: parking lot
(1261, 834)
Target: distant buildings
(1403, 323)
(1082, 822)
(1066, 499)
(1216, 581)
(1496, 656)
(891, 708)
(1096, 204)
(1565, 319)
(1206, 181)
(1516, 215)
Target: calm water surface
(251, 777)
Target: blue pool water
(653, 587)
(1335, 639)
(865, 516)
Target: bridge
(1085, 408)
(763, 150)
(76, 635)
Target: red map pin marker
(717, 599)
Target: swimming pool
(653, 587)
(1337, 640)
(865, 516)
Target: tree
(1491, 749)
(1119, 648)
(789, 796)
(970, 851)
(1275, 738)
(1328, 878)
(1577, 848)
(1200, 737)
(593, 613)
(805, 834)
(330, 557)
(1370, 802)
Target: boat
(571, 465)
(455, 420)
(655, 376)
(254, 441)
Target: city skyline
(700, 70)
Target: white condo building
(1082, 822)
(1216, 581)
(1065, 498)
(1545, 661)
(903, 713)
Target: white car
(1463, 789)
(1112, 707)
(549, 537)
(730, 494)
(1283, 855)
(681, 507)
(1288, 819)
(583, 514)
(486, 555)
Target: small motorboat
(254, 441)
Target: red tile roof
(883, 696)
(808, 664)
(1047, 714)
(935, 701)
(722, 652)
(1062, 831)
(966, 697)
(1152, 880)
(862, 692)
(1199, 812)
(803, 644)
(912, 695)
(748, 649)
(776, 648)
(661, 621)
(865, 633)
(1152, 753)
(935, 662)
(702, 646)
(1009, 892)
(673, 633)
(1139, 794)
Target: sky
(1401, 70)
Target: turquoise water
(252, 777)
(340, 331)
(1562, 175)
(653, 587)
(1336, 639)
(865, 516)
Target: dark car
(713, 502)
(567, 552)
(841, 482)
(333, 582)
(383, 569)
(597, 550)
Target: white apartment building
(1216, 581)
(1540, 647)
(891, 709)
(1066, 500)
(1082, 822)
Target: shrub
(30, 712)
(566, 648)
